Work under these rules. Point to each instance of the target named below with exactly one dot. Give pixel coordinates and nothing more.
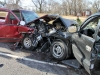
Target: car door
(9, 30)
(83, 43)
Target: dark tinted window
(16, 13)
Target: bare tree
(72, 7)
(39, 4)
(50, 5)
(82, 5)
(2, 3)
(56, 8)
(17, 2)
(65, 8)
(69, 5)
(13, 4)
(96, 6)
(79, 6)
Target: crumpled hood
(46, 18)
(66, 22)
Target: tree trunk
(40, 9)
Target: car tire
(59, 50)
(27, 43)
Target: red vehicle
(19, 26)
(12, 24)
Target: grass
(67, 17)
(3, 14)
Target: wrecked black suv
(86, 44)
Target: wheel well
(67, 42)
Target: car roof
(4, 9)
(96, 14)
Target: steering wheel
(89, 32)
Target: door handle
(88, 48)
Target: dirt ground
(67, 17)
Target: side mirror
(22, 23)
(72, 29)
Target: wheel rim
(57, 50)
(27, 42)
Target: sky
(25, 2)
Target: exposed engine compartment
(44, 30)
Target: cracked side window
(90, 27)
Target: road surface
(24, 62)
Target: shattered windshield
(29, 16)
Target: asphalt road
(23, 62)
